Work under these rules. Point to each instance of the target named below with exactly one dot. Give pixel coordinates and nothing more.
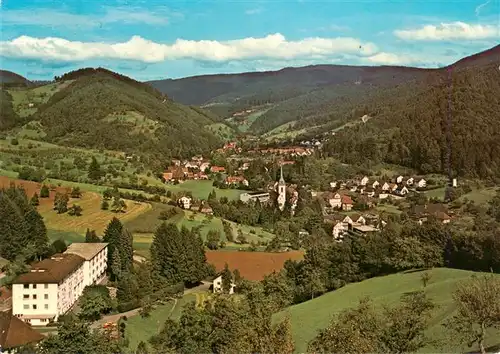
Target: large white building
(53, 285)
(95, 256)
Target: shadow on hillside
(492, 349)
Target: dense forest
(411, 129)
(8, 117)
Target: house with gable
(184, 202)
(375, 184)
(364, 181)
(410, 181)
(346, 203)
(422, 183)
(401, 190)
(334, 200)
(399, 179)
(386, 186)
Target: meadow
(311, 316)
(140, 328)
(201, 189)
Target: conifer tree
(34, 200)
(126, 248)
(227, 279)
(12, 228)
(112, 237)
(91, 237)
(116, 270)
(166, 253)
(37, 232)
(44, 192)
(95, 172)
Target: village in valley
(354, 205)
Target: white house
(263, 197)
(375, 184)
(95, 256)
(364, 181)
(410, 181)
(402, 191)
(333, 184)
(399, 179)
(339, 228)
(335, 200)
(386, 186)
(217, 285)
(422, 183)
(185, 202)
(204, 166)
(49, 289)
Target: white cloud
(58, 18)
(449, 31)
(384, 58)
(274, 46)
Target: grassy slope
(21, 98)
(311, 316)
(201, 189)
(141, 329)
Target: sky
(158, 39)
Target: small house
(346, 203)
(184, 202)
(386, 186)
(364, 181)
(334, 200)
(217, 285)
(422, 183)
(410, 181)
(399, 179)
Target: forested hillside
(8, 117)
(101, 109)
(409, 125)
(318, 93)
(8, 77)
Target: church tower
(281, 191)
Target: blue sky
(153, 39)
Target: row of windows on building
(26, 296)
(27, 286)
(34, 307)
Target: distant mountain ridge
(9, 77)
(204, 89)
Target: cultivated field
(252, 265)
(92, 215)
(311, 316)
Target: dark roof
(15, 332)
(51, 270)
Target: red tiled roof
(15, 332)
(346, 199)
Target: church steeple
(281, 190)
(282, 180)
